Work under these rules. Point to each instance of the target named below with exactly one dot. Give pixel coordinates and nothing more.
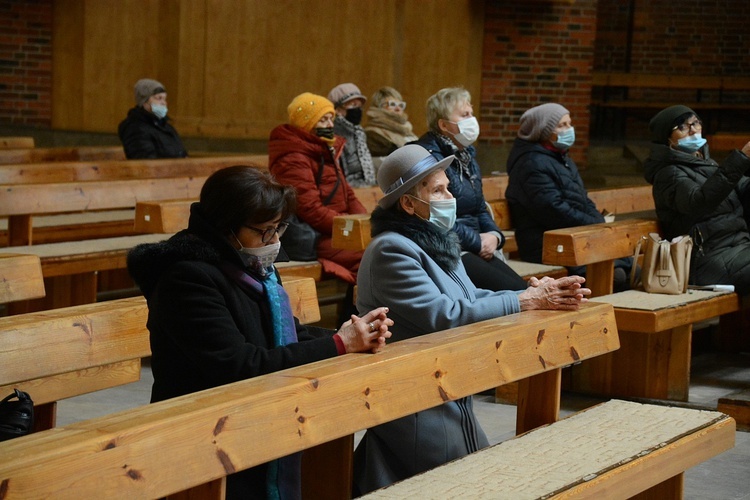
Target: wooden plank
(16, 142)
(20, 277)
(493, 187)
(351, 232)
(737, 405)
(107, 170)
(168, 216)
(294, 409)
(623, 200)
(368, 196)
(582, 245)
(80, 153)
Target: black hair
(682, 119)
(239, 195)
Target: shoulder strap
(320, 174)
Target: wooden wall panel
(231, 66)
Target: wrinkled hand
(366, 333)
(489, 245)
(565, 293)
(746, 149)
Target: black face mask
(326, 133)
(354, 115)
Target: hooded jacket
(416, 270)
(206, 330)
(143, 135)
(545, 191)
(696, 196)
(472, 217)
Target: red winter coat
(294, 158)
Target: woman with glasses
(453, 128)
(388, 126)
(695, 195)
(218, 313)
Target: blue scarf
(283, 476)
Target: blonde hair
(441, 105)
(383, 94)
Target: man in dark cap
(696, 196)
(146, 132)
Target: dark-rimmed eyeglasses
(697, 125)
(266, 235)
(396, 104)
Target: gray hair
(442, 104)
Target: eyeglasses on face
(697, 125)
(396, 104)
(266, 235)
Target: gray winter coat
(415, 270)
(696, 196)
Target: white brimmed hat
(403, 168)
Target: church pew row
(205, 434)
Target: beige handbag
(666, 264)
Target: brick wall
(536, 52)
(26, 62)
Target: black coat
(206, 330)
(545, 191)
(143, 135)
(698, 197)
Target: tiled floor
(722, 478)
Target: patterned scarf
(283, 476)
(463, 156)
(357, 133)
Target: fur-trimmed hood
(442, 247)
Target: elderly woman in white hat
(545, 190)
(413, 264)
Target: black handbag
(16, 417)
(300, 240)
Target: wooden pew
(655, 330)
(67, 352)
(21, 277)
(205, 434)
(81, 153)
(16, 142)
(617, 449)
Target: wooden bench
(81, 153)
(655, 330)
(16, 142)
(205, 435)
(617, 449)
(67, 352)
(20, 277)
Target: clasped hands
(565, 293)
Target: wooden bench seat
(205, 435)
(80, 153)
(656, 330)
(21, 277)
(67, 352)
(16, 142)
(617, 449)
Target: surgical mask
(159, 110)
(354, 115)
(326, 133)
(565, 139)
(260, 260)
(691, 143)
(468, 131)
(442, 212)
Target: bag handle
(633, 280)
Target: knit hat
(403, 168)
(145, 88)
(341, 94)
(662, 123)
(538, 122)
(306, 110)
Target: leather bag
(666, 264)
(16, 417)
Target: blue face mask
(691, 143)
(442, 212)
(565, 139)
(159, 110)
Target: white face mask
(565, 139)
(159, 110)
(468, 131)
(260, 260)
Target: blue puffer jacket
(545, 191)
(472, 217)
